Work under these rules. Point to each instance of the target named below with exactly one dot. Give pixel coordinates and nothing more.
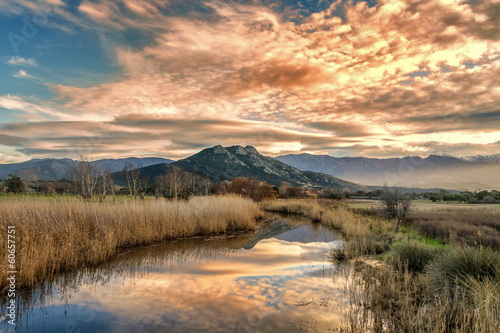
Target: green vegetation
(413, 255)
(463, 224)
(15, 184)
(473, 197)
(453, 270)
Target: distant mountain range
(443, 171)
(225, 163)
(53, 169)
(320, 171)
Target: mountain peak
(236, 150)
(219, 150)
(240, 150)
(226, 163)
(252, 150)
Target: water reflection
(281, 283)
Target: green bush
(413, 255)
(454, 269)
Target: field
(55, 235)
(441, 273)
(420, 285)
(456, 223)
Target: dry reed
(382, 299)
(56, 236)
(363, 235)
(385, 300)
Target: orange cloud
(380, 68)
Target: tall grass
(413, 255)
(55, 236)
(459, 291)
(363, 235)
(453, 270)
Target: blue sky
(166, 78)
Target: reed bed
(363, 235)
(426, 289)
(59, 235)
(458, 292)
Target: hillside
(473, 172)
(225, 163)
(53, 169)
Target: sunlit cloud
(322, 83)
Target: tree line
(92, 181)
(95, 181)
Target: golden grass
(382, 299)
(53, 236)
(386, 300)
(452, 223)
(363, 235)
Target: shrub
(454, 269)
(339, 254)
(413, 255)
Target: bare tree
(131, 176)
(181, 184)
(105, 182)
(142, 186)
(396, 203)
(172, 183)
(85, 176)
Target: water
(278, 279)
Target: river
(278, 279)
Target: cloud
(22, 74)
(401, 69)
(174, 138)
(20, 61)
(14, 141)
(342, 129)
(31, 108)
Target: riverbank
(420, 285)
(363, 235)
(53, 236)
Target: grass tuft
(454, 269)
(413, 255)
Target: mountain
(225, 163)
(443, 171)
(482, 158)
(53, 169)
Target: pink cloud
(245, 62)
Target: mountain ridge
(226, 163)
(57, 168)
(432, 171)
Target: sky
(167, 78)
